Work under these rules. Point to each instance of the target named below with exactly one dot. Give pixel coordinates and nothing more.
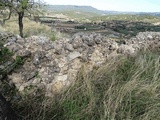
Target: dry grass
(126, 88)
(31, 28)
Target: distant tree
(21, 7)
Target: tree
(20, 7)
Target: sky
(116, 5)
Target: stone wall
(6, 61)
(54, 65)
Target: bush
(5, 54)
(80, 27)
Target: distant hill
(150, 13)
(73, 8)
(80, 9)
(90, 9)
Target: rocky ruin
(54, 65)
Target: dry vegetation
(125, 88)
(31, 28)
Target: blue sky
(117, 5)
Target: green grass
(125, 88)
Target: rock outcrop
(54, 65)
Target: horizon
(122, 6)
(105, 10)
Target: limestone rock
(37, 57)
(113, 46)
(73, 55)
(125, 49)
(76, 42)
(56, 64)
(62, 77)
(69, 47)
(87, 40)
(98, 39)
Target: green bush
(80, 27)
(4, 54)
(52, 37)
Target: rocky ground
(54, 65)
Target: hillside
(63, 8)
(90, 9)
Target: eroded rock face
(54, 65)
